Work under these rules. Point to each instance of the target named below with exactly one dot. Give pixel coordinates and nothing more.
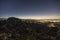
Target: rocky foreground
(16, 29)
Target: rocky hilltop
(17, 29)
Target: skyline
(30, 9)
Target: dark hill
(16, 29)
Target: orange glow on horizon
(56, 17)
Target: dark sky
(30, 8)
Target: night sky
(36, 9)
